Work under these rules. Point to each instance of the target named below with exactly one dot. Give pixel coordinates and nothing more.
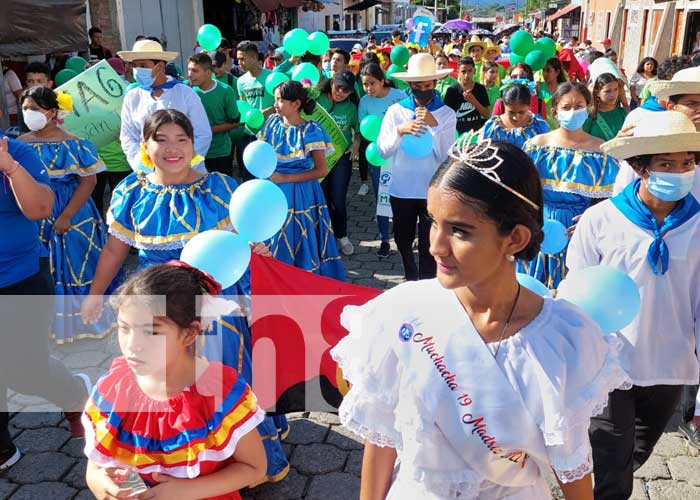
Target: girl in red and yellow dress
(183, 424)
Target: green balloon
(295, 41)
(521, 43)
(243, 107)
(400, 55)
(254, 118)
(273, 80)
(306, 71)
(547, 46)
(318, 43)
(373, 156)
(515, 59)
(536, 60)
(394, 68)
(76, 64)
(370, 126)
(64, 76)
(209, 37)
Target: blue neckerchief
(164, 86)
(632, 207)
(652, 104)
(433, 105)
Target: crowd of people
(611, 158)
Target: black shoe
(9, 457)
(384, 249)
(691, 433)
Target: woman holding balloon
(373, 106)
(574, 173)
(649, 231)
(158, 213)
(306, 240)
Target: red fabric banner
(295, 322)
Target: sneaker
(691, 433)
(346, 246)
(384, 249)
(9, 457)
(364, 189)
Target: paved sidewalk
(325, 458)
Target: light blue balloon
(222, 254)
(533, 284)
(417, 146)
(609, 296)
(555, 237)
(258, 210)
(260, 158)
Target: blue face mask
(327, 66)
(667, 186)
(572, 119)
(144, 77)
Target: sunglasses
(344, 90)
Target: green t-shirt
(344, 113)
(114, 158)
(252, 90)
(220, 105)
(606, 125)
(444, 84)
(494, 94)
(235, 134)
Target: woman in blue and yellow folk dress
(158, 213)
(573, 170)
(306, 240)
(73, 236)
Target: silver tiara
(473, 152)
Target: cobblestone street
(325, 458)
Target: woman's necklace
(505, 327)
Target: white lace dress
(561, 365)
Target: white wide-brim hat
(147, 49)
(685, 81)
(655, 132)
(421, 68)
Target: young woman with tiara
(517, 124)
(417, 356)
(73, 236)
(163, 422)
(158, 213)
(649, 231)
(306, 240)
(573, 170)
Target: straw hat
(147, 49)
(474, 41)
(685, 81)
(421, 68)
(492, 46)
(665, 132)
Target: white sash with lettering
(458, 386)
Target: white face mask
(35, 120)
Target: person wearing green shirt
(490, 80)
(251, 89)
(219, 103)
(340, 100)
(607, 115)
(222, 63)
(442, 62)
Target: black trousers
(26, 309)
(223, 164)
(406, 212)
(688, 402)
(362, 162)
(105, 179)
(624, 436)
(243, 172)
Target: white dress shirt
(411, 176)
(660, 343)
(138, 106)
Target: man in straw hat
(648, 231)
(491, 53)
(423, 112)
(157, 91)
(474, 48)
